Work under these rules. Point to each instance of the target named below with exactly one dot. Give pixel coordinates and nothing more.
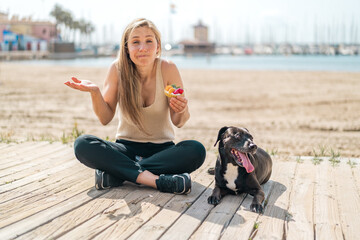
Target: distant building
(200, 43)
(25, 34)
(201, 32)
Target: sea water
(229, 62)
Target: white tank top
(156, 118)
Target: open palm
(82, 85)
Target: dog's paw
(213, 200)
(255, 207)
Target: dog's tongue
(246, 163)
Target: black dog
(241, 167)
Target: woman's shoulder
(170, 73)
(167, 66)
(115, 65)
(113, 72)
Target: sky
(229, 21)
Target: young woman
(144, 151)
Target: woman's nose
(142, 47)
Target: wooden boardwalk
(45, 193)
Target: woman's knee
(82, 146)
(196, 150)
(81, 143)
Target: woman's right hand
(82, 85)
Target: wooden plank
(57, 227)
(40, 218)
(36, 177)
(20, 150)
(154, 228)
(219, 218)
(39, 165)
(348, 200)
(242, 224)
(215, 222)
(126, 212)
(356, 175)
(301, 207)
(16, 211)
(271, 223)
(326, 215)
(189, 221)
(36, 160)
(48, 192)
(5, 145)
(48, 184)
(39, 152)
(176, 205)
(12, 147)
(136, 207)
(194, 224)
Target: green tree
(57, 13)
(67, 23)
(75, 27)
(86, 29)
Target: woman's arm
(104, 104)
(179, 110)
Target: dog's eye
(248, 136)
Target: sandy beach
(288, 113)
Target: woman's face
(142, 46)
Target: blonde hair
(130, 100)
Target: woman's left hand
(178, 104)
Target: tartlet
(173, 91)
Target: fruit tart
(173, 91)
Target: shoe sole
(189, 177)
(101, 187)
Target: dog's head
(236, 144)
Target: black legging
(119, 158)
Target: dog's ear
(221, 131)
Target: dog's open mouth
(242, 160)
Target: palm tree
(75, 26)
(65, 20)
(82, 29)
(68, 22)
(86, 28)
(57, 13)
(90, 28)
